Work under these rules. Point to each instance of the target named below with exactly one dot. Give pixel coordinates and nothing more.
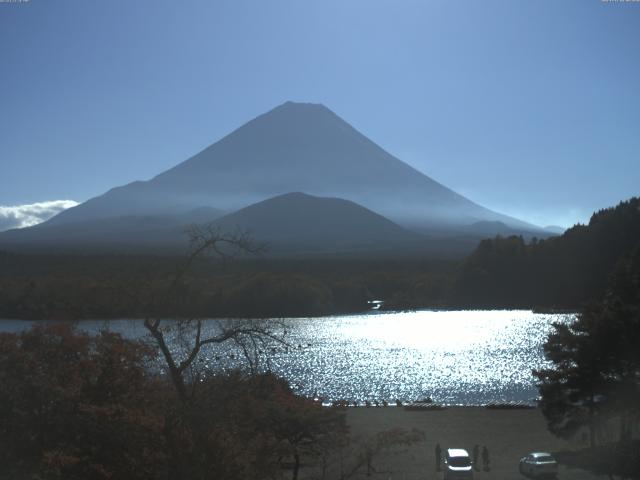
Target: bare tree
(251, 335)
(358, 457)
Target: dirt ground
(508, 435)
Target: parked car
(539, 464)
(457, 464)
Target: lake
(454, 357)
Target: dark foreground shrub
(74, 406)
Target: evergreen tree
(596, 360)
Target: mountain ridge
(291, 224)
(319, 222)
(294, 147)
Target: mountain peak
(289, 104)
(295, 147)
(294, 195)
(315, 223)
(295, 112)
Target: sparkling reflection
(454, 357)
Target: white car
(539, 464)
(457, 464)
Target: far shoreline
(371, 312)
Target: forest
(562, 272)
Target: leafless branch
(210, 240)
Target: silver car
(539, 464)
(457, 464)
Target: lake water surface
(454, 357)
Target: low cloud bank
(20, 216)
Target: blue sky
(531, 108)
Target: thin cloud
(20, 216)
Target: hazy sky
(531, 108)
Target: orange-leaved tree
(75, 406)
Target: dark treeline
(562, 272)
(504, 272)
(77, 287)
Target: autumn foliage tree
(74, 406)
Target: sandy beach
(508, 435)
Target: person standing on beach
(476, 456)
(485, 458)
(438, 455)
